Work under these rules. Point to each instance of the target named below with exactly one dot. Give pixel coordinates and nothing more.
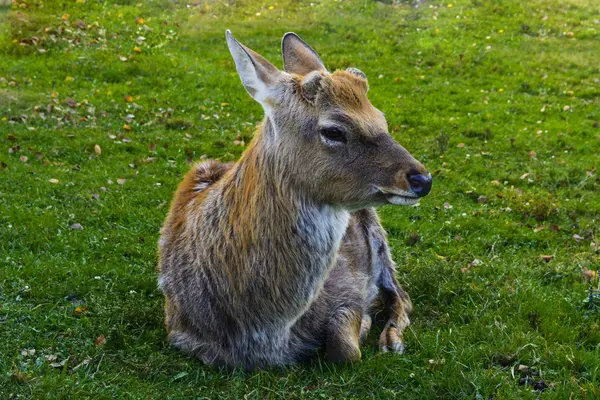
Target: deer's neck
(285, 243)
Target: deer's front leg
(398, 306)
(343, 336)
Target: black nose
(420, 184)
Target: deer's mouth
(399, 197)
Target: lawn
(104, 106)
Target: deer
(270, 260)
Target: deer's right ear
(298, 57)
(258, 75)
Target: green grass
(470, 89)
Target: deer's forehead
(347, 91)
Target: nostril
(420, 184)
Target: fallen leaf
(577, 238)
(461, 145)
(137, 49)
(27, 352)
(122, 58)
(39, 156)
(532, 154)
(547, 258)
(58, 364)
(127, 127)
(129, 98)
(24, 158)
(95, 196)
(589, 274)
(139, 20)
(447, 206)
(482, 199)
(71, 103)
(77, 227)
(97, 149)
(525, 175)
(85, 362)
(52, 180)
(78, 311)
(100, 340)
(121, 181)
(51, 357)
(126, 139)
(538, 228)
(522, 368)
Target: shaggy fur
(264, 261)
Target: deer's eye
(333, 134)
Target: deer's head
(324, 134)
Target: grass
(499, 99)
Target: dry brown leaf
(547, 258)
(97, 149)
(100, 340)
(461, 145)
(589, 274)
(24, 158)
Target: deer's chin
(400, 200)
(399, 197)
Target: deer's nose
(420, 184)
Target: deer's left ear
(258, 75)
(298, 57)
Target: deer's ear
(258, 75)
(298, 57)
